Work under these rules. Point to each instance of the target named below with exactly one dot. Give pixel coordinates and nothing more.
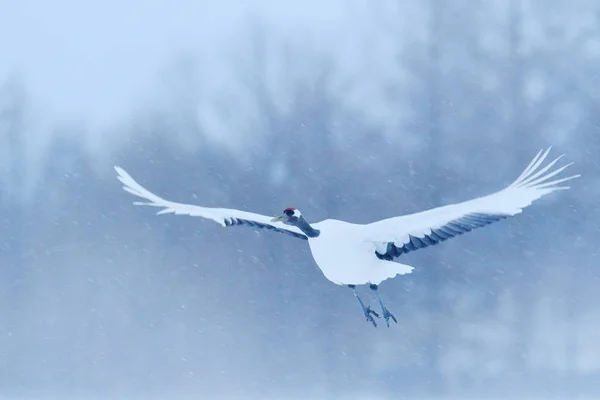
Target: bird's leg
(366, 310)
(386, 314)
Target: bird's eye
(288, 212)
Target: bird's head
(293, 217)
(290, 216)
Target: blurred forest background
(357, 113)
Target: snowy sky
(96, 63)
(100, 65)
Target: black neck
(306, 228)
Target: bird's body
(355, 254)
(346, 256)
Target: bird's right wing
(398, 235)
(223, 216)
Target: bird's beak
(277, 219)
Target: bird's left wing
(223, 216)
(398, 235)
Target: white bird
(356, 254)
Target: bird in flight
(357, 254)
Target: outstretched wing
(223, 216)
(399, 235)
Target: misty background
(352, 110)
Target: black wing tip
(254, 224)
(449, 230)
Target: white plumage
(354, 254)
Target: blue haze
(344, 109)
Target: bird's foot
(387, 315)
(367, 313)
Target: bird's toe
(387, 315)
(369, 316)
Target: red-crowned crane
(357, 254)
